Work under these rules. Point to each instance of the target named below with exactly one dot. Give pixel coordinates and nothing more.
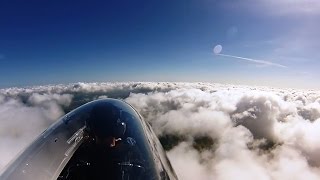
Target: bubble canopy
(103, 139)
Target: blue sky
(48, 42)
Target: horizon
(179, 82)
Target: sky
(52, 42)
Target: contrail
(218, 48)
(254, 60)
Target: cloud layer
(253, 132)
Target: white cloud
(21, 123)
(257, 132)
(268, 119)
(186, 162)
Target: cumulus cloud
(21, 122)
(221, 131)
(259, 132)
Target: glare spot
(217, 49)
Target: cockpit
(103, 139)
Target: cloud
(21, 122)
(253, 132)
(257, 131)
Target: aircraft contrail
(218, 48)
(254, 60)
